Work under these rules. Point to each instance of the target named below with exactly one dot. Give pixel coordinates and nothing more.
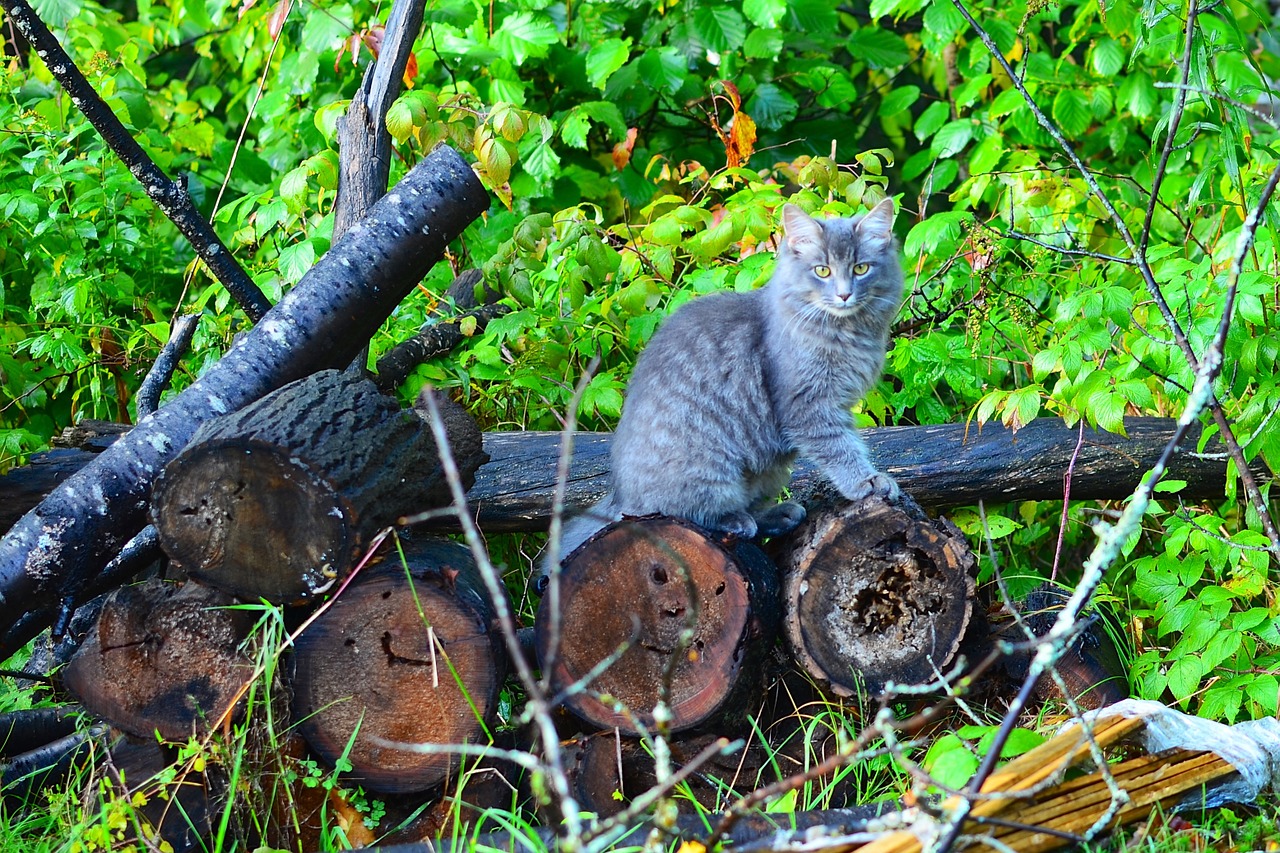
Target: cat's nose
(844, 297)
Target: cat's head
(845, 267)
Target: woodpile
(282, 500)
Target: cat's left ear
(877, 224)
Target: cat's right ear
(799, 226)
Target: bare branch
(170, 196)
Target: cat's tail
(579, 529)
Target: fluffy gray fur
(734, 385)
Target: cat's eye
(861, 269)
(822, 271)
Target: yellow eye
(822, 271)
(861, 269)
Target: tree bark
(939, 466)
(163, 659)
(873, 593)
(54, 550)
(280, 499)
(404, 656)
(692, 612)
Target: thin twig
(1066, 502)
(553, 762)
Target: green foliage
(605, 130)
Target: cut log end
(660, 587)
(162, 658)
(247, 511)
(401, 659)
(875, 594)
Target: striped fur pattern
(733, 386)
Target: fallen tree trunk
(677, 607)
(323, 322)
(939, 466)
(280, 499)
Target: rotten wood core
(875, 593)
(689, 616)
(408, 654)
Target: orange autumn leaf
(622, 151)
(742, 140)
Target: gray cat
(734, 385)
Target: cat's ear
(877, 224)
(799, 226)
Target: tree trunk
(402, 658)
(323, 322)
(163, 658)
(683, 608)
(280, 499)
(939, 466)
(874, 593)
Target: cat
(734, 385)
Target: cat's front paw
(780, 519)
(879, 484)
(738, 523)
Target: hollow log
(53, 551)
(690, 610)
(404, 656)
(162, 658)
(873, 593)
(280, 499)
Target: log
(940, 466)
(280, 499)
(642, 584)
(1092, 670)
(163, 658)
(875, 593)
(54, 550)
(403, 656)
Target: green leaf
(771, 107)
(719, 28)
(1072, 113)
(1184, 676)
(899, 100)
(934, 117)
(878, 48)
(605, 58)
(942, 22)
(1108, 57)
(326, 28)
(762, 44)
(952, 138)
(524, 35)
(813, 16)
(764, 13)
